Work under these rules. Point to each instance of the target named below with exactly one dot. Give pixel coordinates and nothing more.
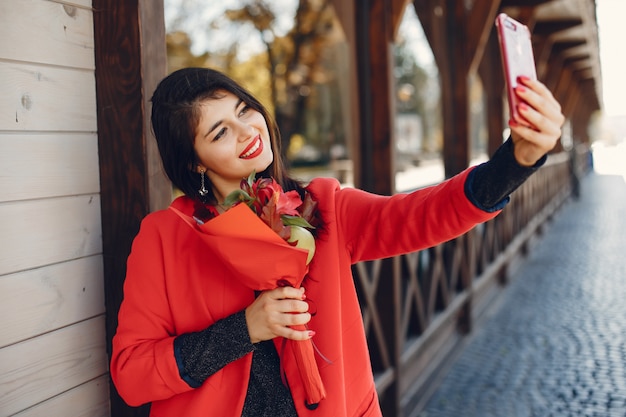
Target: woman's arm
(377, 226)
(151, 360)
(489, 185)
(200, 354)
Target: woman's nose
(245, 131)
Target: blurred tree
(292, 56)
(414, 93)
(294, 62)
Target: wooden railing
(418, 308)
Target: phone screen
(517, 56)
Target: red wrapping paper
(262, 260)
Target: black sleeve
(201, 354)
(488, 186)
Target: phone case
(517, 56)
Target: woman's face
(231, 141)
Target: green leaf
(295, 221)
(251, 178)
(237, 196)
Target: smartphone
(516, 50)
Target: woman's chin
(263, 163)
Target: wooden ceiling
(565, 33)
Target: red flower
(278, 209)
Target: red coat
(173, 287)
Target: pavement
(554, 344)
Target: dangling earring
(202, 191)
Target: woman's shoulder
(324, 191)
(323, 185)
(162, 218)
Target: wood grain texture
(45, 299)
(46, 32)
(37, 369)
(44, 232)
(48, 165)
(42, 98)
(130, 58)
(88, 400)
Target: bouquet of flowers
(284, 212)
(272, 228)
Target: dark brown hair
(175, 117)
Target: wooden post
(374, 26)
(376, 23)
(130, 59)
(491, 73)
(458, 38)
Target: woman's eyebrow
(219, 122)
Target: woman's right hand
(274, 311)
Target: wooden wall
(53, 359)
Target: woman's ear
(199, 168)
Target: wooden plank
(43, 232)
(490, 70)
(85, 4)
(47, 32)
(480, 20)
(49, 298)
(87, 400)
(398, 8)
(37, 369)
(376, 104)
(43, 98)
(48, 165)
(128, 35)
(154, 69)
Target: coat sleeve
(375, 227)
(143, 366)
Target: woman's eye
(244, 110)
(220, 134)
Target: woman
(193, 341)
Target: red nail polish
(311, 333)
(523, 106)
(520, 89)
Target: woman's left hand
(539, 108)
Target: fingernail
(523, 78)
(311, 333)
(520, 89)
(513, 123)
(523, 106)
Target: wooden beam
(550, 27)
(374, 22)
(542, 47)
(561, 47)
(130, 58)
(523, 3)
(397, 12)
(346, 14)
(553, 71)
(480, 25)
(375, 29)
(570, 99)
(564, 83)
(492, 74)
